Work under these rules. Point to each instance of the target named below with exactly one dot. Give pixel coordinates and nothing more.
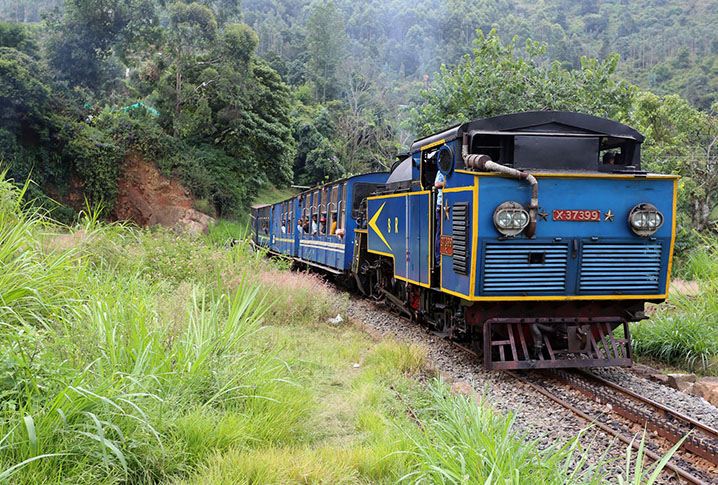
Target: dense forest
(231, 97)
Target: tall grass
(684, 331)
(460, 441)
(34, 282)
(117, 365)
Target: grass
(271, 195)
(683, 332)
(141, 356)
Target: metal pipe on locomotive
(529, 282)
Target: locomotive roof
(555, 123)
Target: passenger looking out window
(333, 229)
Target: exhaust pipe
(484, 163)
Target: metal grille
(621, 268)
(460, 226)
(521, 268)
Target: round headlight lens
(510, 218)
(645, 219)
(504, 219)
(521, 219)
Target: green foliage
(24, 94)
(19, 37)
(683, 332)
(681, 339)
(681, 139)
(326, 40)
(105, 370)
(496, 80)
(86, 34)
(97, 159)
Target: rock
(660, 378)
(681, 381)
(704, 387)
(462, 387)
(194, 222)
(644, 370)
(713, 396)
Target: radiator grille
(460, 227)
(512, 268)
(623, 268)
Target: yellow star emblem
(608, 216)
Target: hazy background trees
(232, 97)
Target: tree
(326, 42)
(683, 140)
(496, 80)
(84, 39)
(192, 30)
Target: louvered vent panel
(522, 268)
(621, 268)
(460, 225)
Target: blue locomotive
(534, 236)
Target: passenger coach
(546, 236)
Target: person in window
(323, 228)
(609, 158)
(300, 224)
(305, 227)
(439, 182)
(284, 227)
(314, 225)
(333, 229)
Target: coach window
(324, 211)
(316, 206)
(343, 207)
(290, 217)
(333, 221)
(305, 213)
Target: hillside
(232, 98)
(666, 47)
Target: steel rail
(685, 475)
(670, 424)
(712, 432)
(630, 441)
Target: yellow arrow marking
(372, 224)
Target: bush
(682, 340)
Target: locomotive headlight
(645, 219)
(510, 218)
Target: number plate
(446, 245)
(577, 215)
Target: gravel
(535, 415)
(688, 404)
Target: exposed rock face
(707, 388)
(147, 197)
(681, 382)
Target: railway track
(667, 423)
(671, 426)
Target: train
(534, 237)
